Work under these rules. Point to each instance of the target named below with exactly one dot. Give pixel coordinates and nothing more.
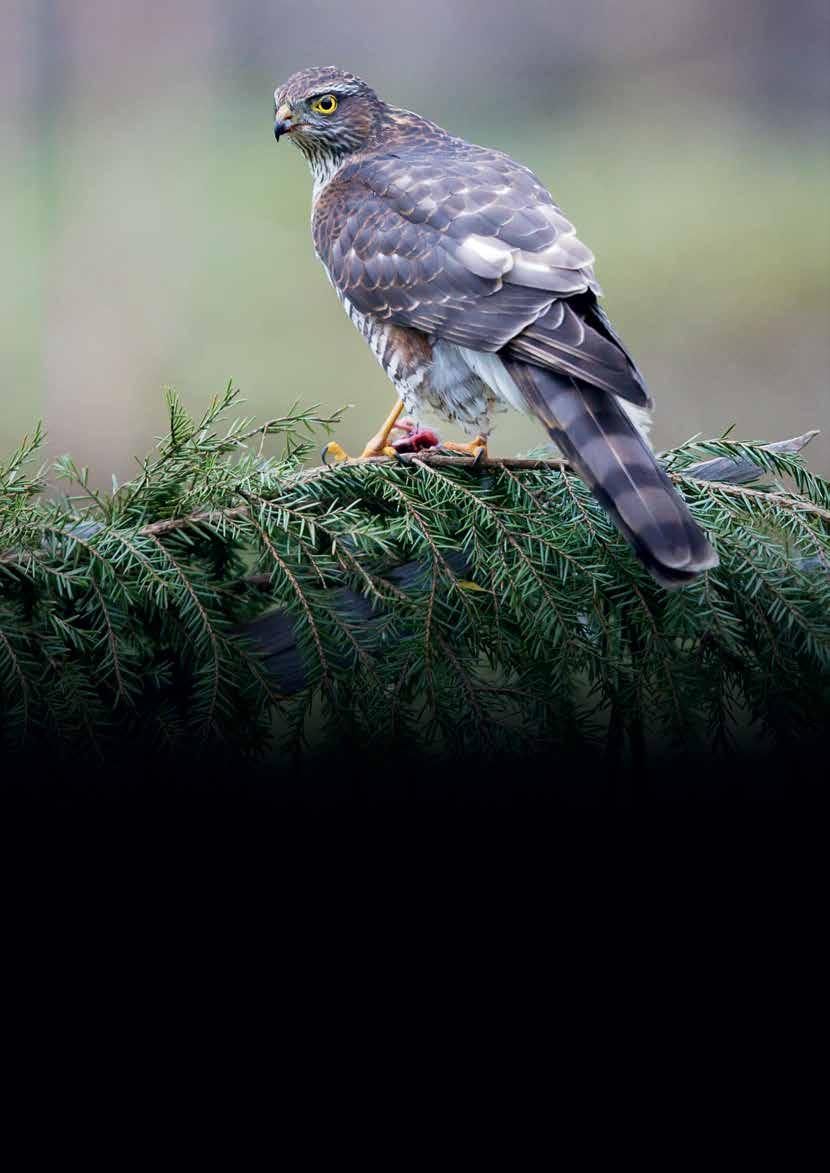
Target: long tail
(598, 438)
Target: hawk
(474, 293)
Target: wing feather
(466, 245)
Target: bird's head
(326, 112)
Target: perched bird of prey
(474, 293)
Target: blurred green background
(151, 232)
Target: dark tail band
(598, 438)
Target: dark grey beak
(282, 120)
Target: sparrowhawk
(475, 293)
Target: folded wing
(470, 248)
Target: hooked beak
(283, 123)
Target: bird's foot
(395, 437)
(334, 453)
(476, 448)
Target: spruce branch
(228, 596)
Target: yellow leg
(379, 442)
(476, 448)
(378, 445)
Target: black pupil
(327, 104)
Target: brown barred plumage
(475, 293)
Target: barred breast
(430, 376)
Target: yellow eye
(325, 105)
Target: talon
(412, 438)
(333, 452)
(476, 448)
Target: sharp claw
(476, 450)
(333, 452)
